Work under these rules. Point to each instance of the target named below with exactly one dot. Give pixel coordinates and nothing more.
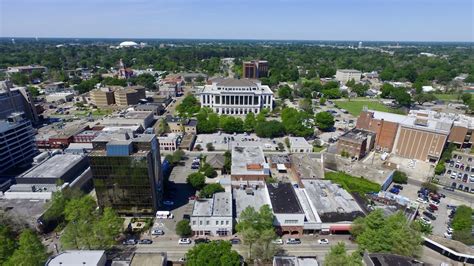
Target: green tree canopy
(324, 120)
(231, 124)
(189, 106)
(30, 251)
(249, 122)
(214, 253)
(400, 177)
(208, 190)
(338, 256)
(285, 92)
(196, 180)
(183, 228)
(269, 129)
(296, 122)
(8, 243)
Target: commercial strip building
(127, 173)
(170, 142)
(345, 75)
(299, 145)
(248, 166)
(181, 125)
(356, 142)
(295, 261)
(78, 257)
(58, 97)
(419, 135)
(255, 69)
(236, 96)
(17, 142)
(120, 96)
(289, 216)
(213, 217)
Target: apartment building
(129, 95)
(126, 172)
(213, 217)
(17, 142)
(345, 75)
(103, 96)
(236, 96)
(255, 69)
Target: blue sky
(391, 20)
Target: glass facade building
(127, 177)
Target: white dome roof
(128, 43)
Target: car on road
(145, 242)
(448, 188)
(235, 241)
(184, 241)
(448, 235)
(425, 220)
(201, 240)
(168, 203)
(293, 241)
(278, 241)
(130, 242)
(324, 241)
(157, 232)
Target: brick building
(356, 142)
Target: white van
(164, 215)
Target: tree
(30, 251)
(334, 93)
(19, 79)
(285, 92)
(462, 225)
(8, 243)
(210, 147)
(227, 161)
(431, 187)
(324, 121)
(400, 177)
(196, 180)
(322, 101)
(183, 228)
(261, 220)
(106, 228)
(360, 89)
(392, 234)
(33, 91)
(230, 124)
(269, 129)
(338, 256)
(215, 253)
(208, 121)
(189, 106)
(387, 90)
(208, 171)
(402, 97)
(296, 122)
(209, 190)
(249, 123)
(440, 168)
(422, 98)
(422, 227)
(466, 98)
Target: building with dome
(128, 44)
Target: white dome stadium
(128, 44)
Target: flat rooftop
(256, 199)
(331, 201)
(279, 158)
(283, 198)
(147, 259)
(77, 257)
(349, 71)
(294, 261)
(248, 160)
(219, 205)
(299, 142)
(53, 167)
(356, 135)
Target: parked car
(400, 187)
(145, 241)
(201, 240)
(425, 220)
(130, 242)
(421, 200)
(433, 207)
(278, 241)
(448, 172)
(168, 203)
(184, 241)
(323, 241)
(157, 232)
(235, 241)
(394, 190)
(429, 215)
(448, 235)
(293, 241)
(448, 188)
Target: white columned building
(236, 96)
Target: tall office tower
(16, 99)
(17, 142)
(255, 69)
(127, 173)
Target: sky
(363, 20)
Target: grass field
(355, 106)
(351, 183)
(447, 97)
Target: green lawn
(355, 106)
(351, 183)
(447, 97)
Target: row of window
(236, 89)
(208, 222)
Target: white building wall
(203, 225)
(287, 219)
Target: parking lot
(459, 172)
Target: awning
(281, 167)
(340, 227)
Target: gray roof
(77, 257)
(219, 205)
(237, 83)
(243, 156)
(256, 199)
(54, 167)
(216, 160)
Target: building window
(217, 222)
(222, 222)
(194, 222)
(207, 222)
(226, 222)
(200, 222)
(291, 221)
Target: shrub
(400, 177)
